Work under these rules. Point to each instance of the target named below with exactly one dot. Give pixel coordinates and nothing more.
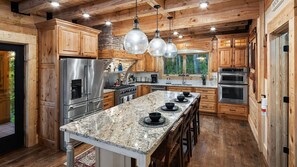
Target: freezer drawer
(95, 105)
(74, 111)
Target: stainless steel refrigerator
(81, 89)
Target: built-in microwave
(233, 94)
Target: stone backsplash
(107, 40)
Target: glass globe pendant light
(171, 50)
(157, 46)
(135, 41)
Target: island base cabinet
(111, 159)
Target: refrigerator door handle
(85, 79)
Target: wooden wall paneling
(292, 91)
(271, 98)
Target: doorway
(279, 110)
(11, 97)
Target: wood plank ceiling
(228, 16)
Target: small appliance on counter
(154, 78)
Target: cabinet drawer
(207, 107)
(205, 90)
(107, 104)
(233, 110)
(208, 97)
(108, 96)
(186, 89)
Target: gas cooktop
(120, 87)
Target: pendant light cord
(136, 10)
(157, 19)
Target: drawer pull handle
(232, 110)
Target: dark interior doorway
(11, 97)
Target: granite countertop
(195, 84)
(108, 90)
(119, 125)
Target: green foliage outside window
(173, 65)
(195, 64)
(11, 87)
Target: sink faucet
(183, 75)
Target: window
(194, 64)
(173, 65)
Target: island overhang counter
(118, 129)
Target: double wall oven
(233, 85)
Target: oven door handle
(234, 74)
(232, 86)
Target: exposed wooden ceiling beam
(226, 13)
(146, 10)
(32, 6)
(96, 8)
(152, 3)
(128, 14)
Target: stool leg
(195, 129)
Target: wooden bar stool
(194, 125)
(171, 148)
(187, 143)
(198, 113)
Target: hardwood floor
(222, 143)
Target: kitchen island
(118, 129)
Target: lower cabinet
(108, 100)
(145, 89)
(179, 89)
(233, 109)
(138, 91)
(208, 101)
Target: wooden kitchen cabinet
(225, 57)
(108, 100)
(139, 66)
(208, 103)
(232, 52)
(58, 38)
(89, 44)
(69, 41)
(233, 110)
(179, 89)
(138, 91)
(145, 89)
(150, 63)
(240, 57)
(74, 40)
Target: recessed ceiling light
(108, 23)
(180, 36)
(175, 33)
(203, 5)
(55, 4)
(86, 15)
(212, 29)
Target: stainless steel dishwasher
(155, 88)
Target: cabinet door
(240, 57)
(225, 57)
(139, 66)
(240, 42)
(69, 41)
(145, 89)
(150, 63)
(89, 44)
(225, 43)
(138, 91)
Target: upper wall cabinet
(73, 39)
(69, 41)
(146, 63)
(232, 51)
